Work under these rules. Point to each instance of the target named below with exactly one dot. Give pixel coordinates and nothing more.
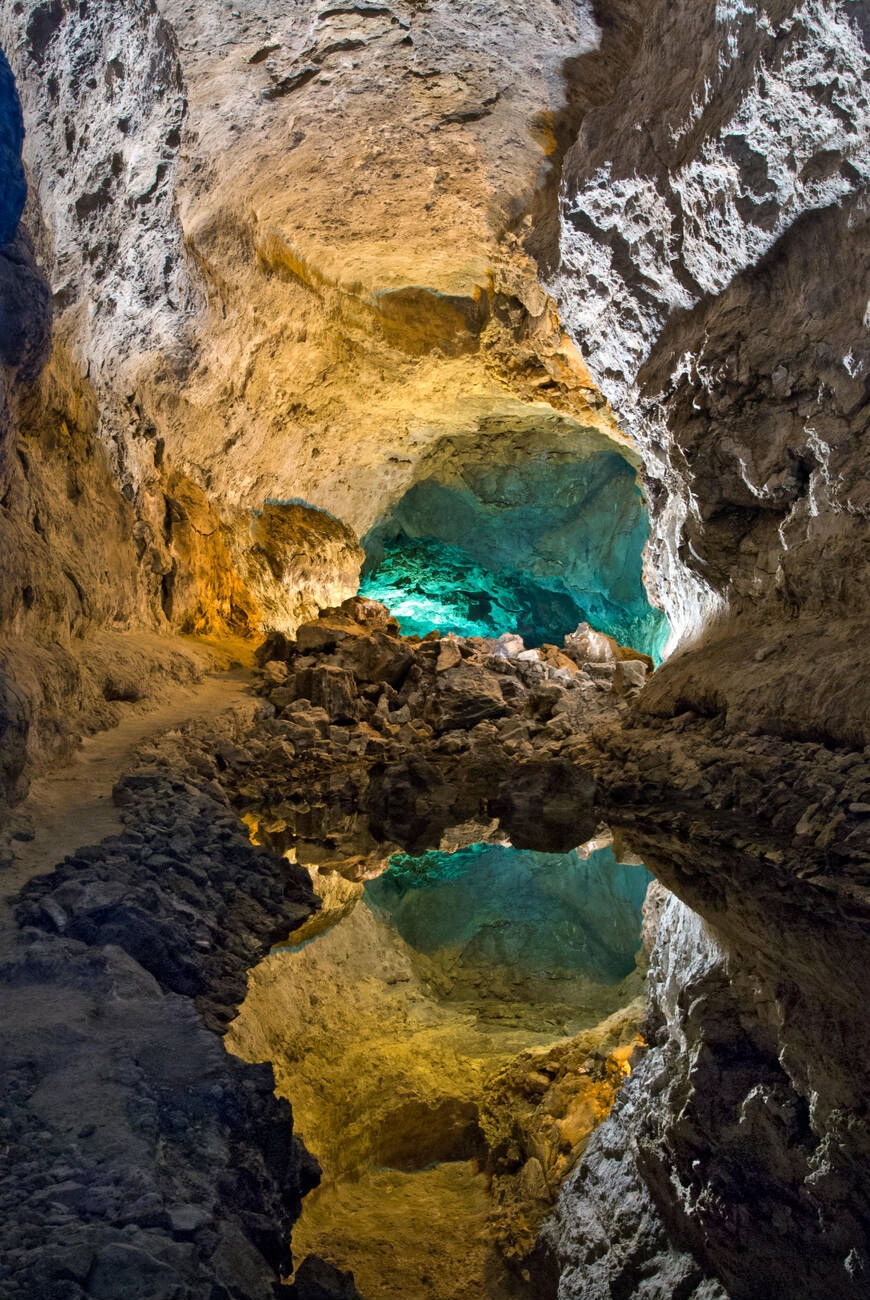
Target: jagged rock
(465, 694)
(448, 656)
(317, 1280)
(226, 331)
(539, 1114)
(331, 688)
(585, 646)
(508, 646)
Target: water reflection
(460, 997)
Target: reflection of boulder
(546, 805)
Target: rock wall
(101, 537)
(296, 255)
(238, 322)
(301, 322)
(733, 1163)
(714, 273)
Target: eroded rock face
(226, 329)
(709, 211)
(749, 1097)
(715, 273)
(324, 311)
(237, 321)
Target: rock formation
(272, 269)
(714, 208)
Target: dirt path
(72, 806)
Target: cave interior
(434, 730)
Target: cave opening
(532, 543)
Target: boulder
(449, 655)
(376, 657)
(276, 648)
(508, 646)
(463, 696)
(317, 1280)
(586, 646)
(630, 675)
(331, 688)
(123, 1272)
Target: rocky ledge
(139, 1158)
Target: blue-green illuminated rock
(536, 913)
(430, 585)
(534, 547)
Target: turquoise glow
(534, 912)
(431, 586)
(534, 548)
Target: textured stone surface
(327, 311)
(709, 211)
(139, 1158)
(11, 136)
(289, 255)
(714, 274)
(749, 1097)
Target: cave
(552, 537)
(434, 738)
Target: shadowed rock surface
(145, 1160)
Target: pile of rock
(353, 664)
(432, 732)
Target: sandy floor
(72, 806)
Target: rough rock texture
(537, 1118)
(607, 1232)
(288, 253)
(182, 1173)
(750, 1097)
(233, 294)
(146, 1161)
(714, 273)
(249, 311)
(400, 739)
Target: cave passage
(534, 546)
(405, 1034)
